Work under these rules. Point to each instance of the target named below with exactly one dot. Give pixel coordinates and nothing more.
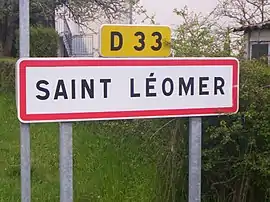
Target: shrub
(43, 42)
(7, 74)
(236, 157)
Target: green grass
(111, 162)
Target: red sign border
(24, 63)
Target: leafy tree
(40, 13)
(199, 36)
(8, 24)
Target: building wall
(256, 37)
(260, 35)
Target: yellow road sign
(135, 40)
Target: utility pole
(130, 11)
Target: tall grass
(112, 160)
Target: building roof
(258, 26)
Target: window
(259, 50)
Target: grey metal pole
(130, 12)
(66, 163)
(66, 160)
(195, 145)
(25, 128)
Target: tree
(8, 24)
(40, 13)
(199, 36)
(244, 12)
(84, 10)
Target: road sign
(77, 89)
(135, 41)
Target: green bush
(43, 42)
(7, 74)
(236, 149)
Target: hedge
(236, 150)
(43, 42)
(7, 74)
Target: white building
(257, 40)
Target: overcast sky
(164, 8)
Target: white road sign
(77, 89)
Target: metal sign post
(195, 137)
(24, 127)
(66, 157)
(66, 179)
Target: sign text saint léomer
(77, 89)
